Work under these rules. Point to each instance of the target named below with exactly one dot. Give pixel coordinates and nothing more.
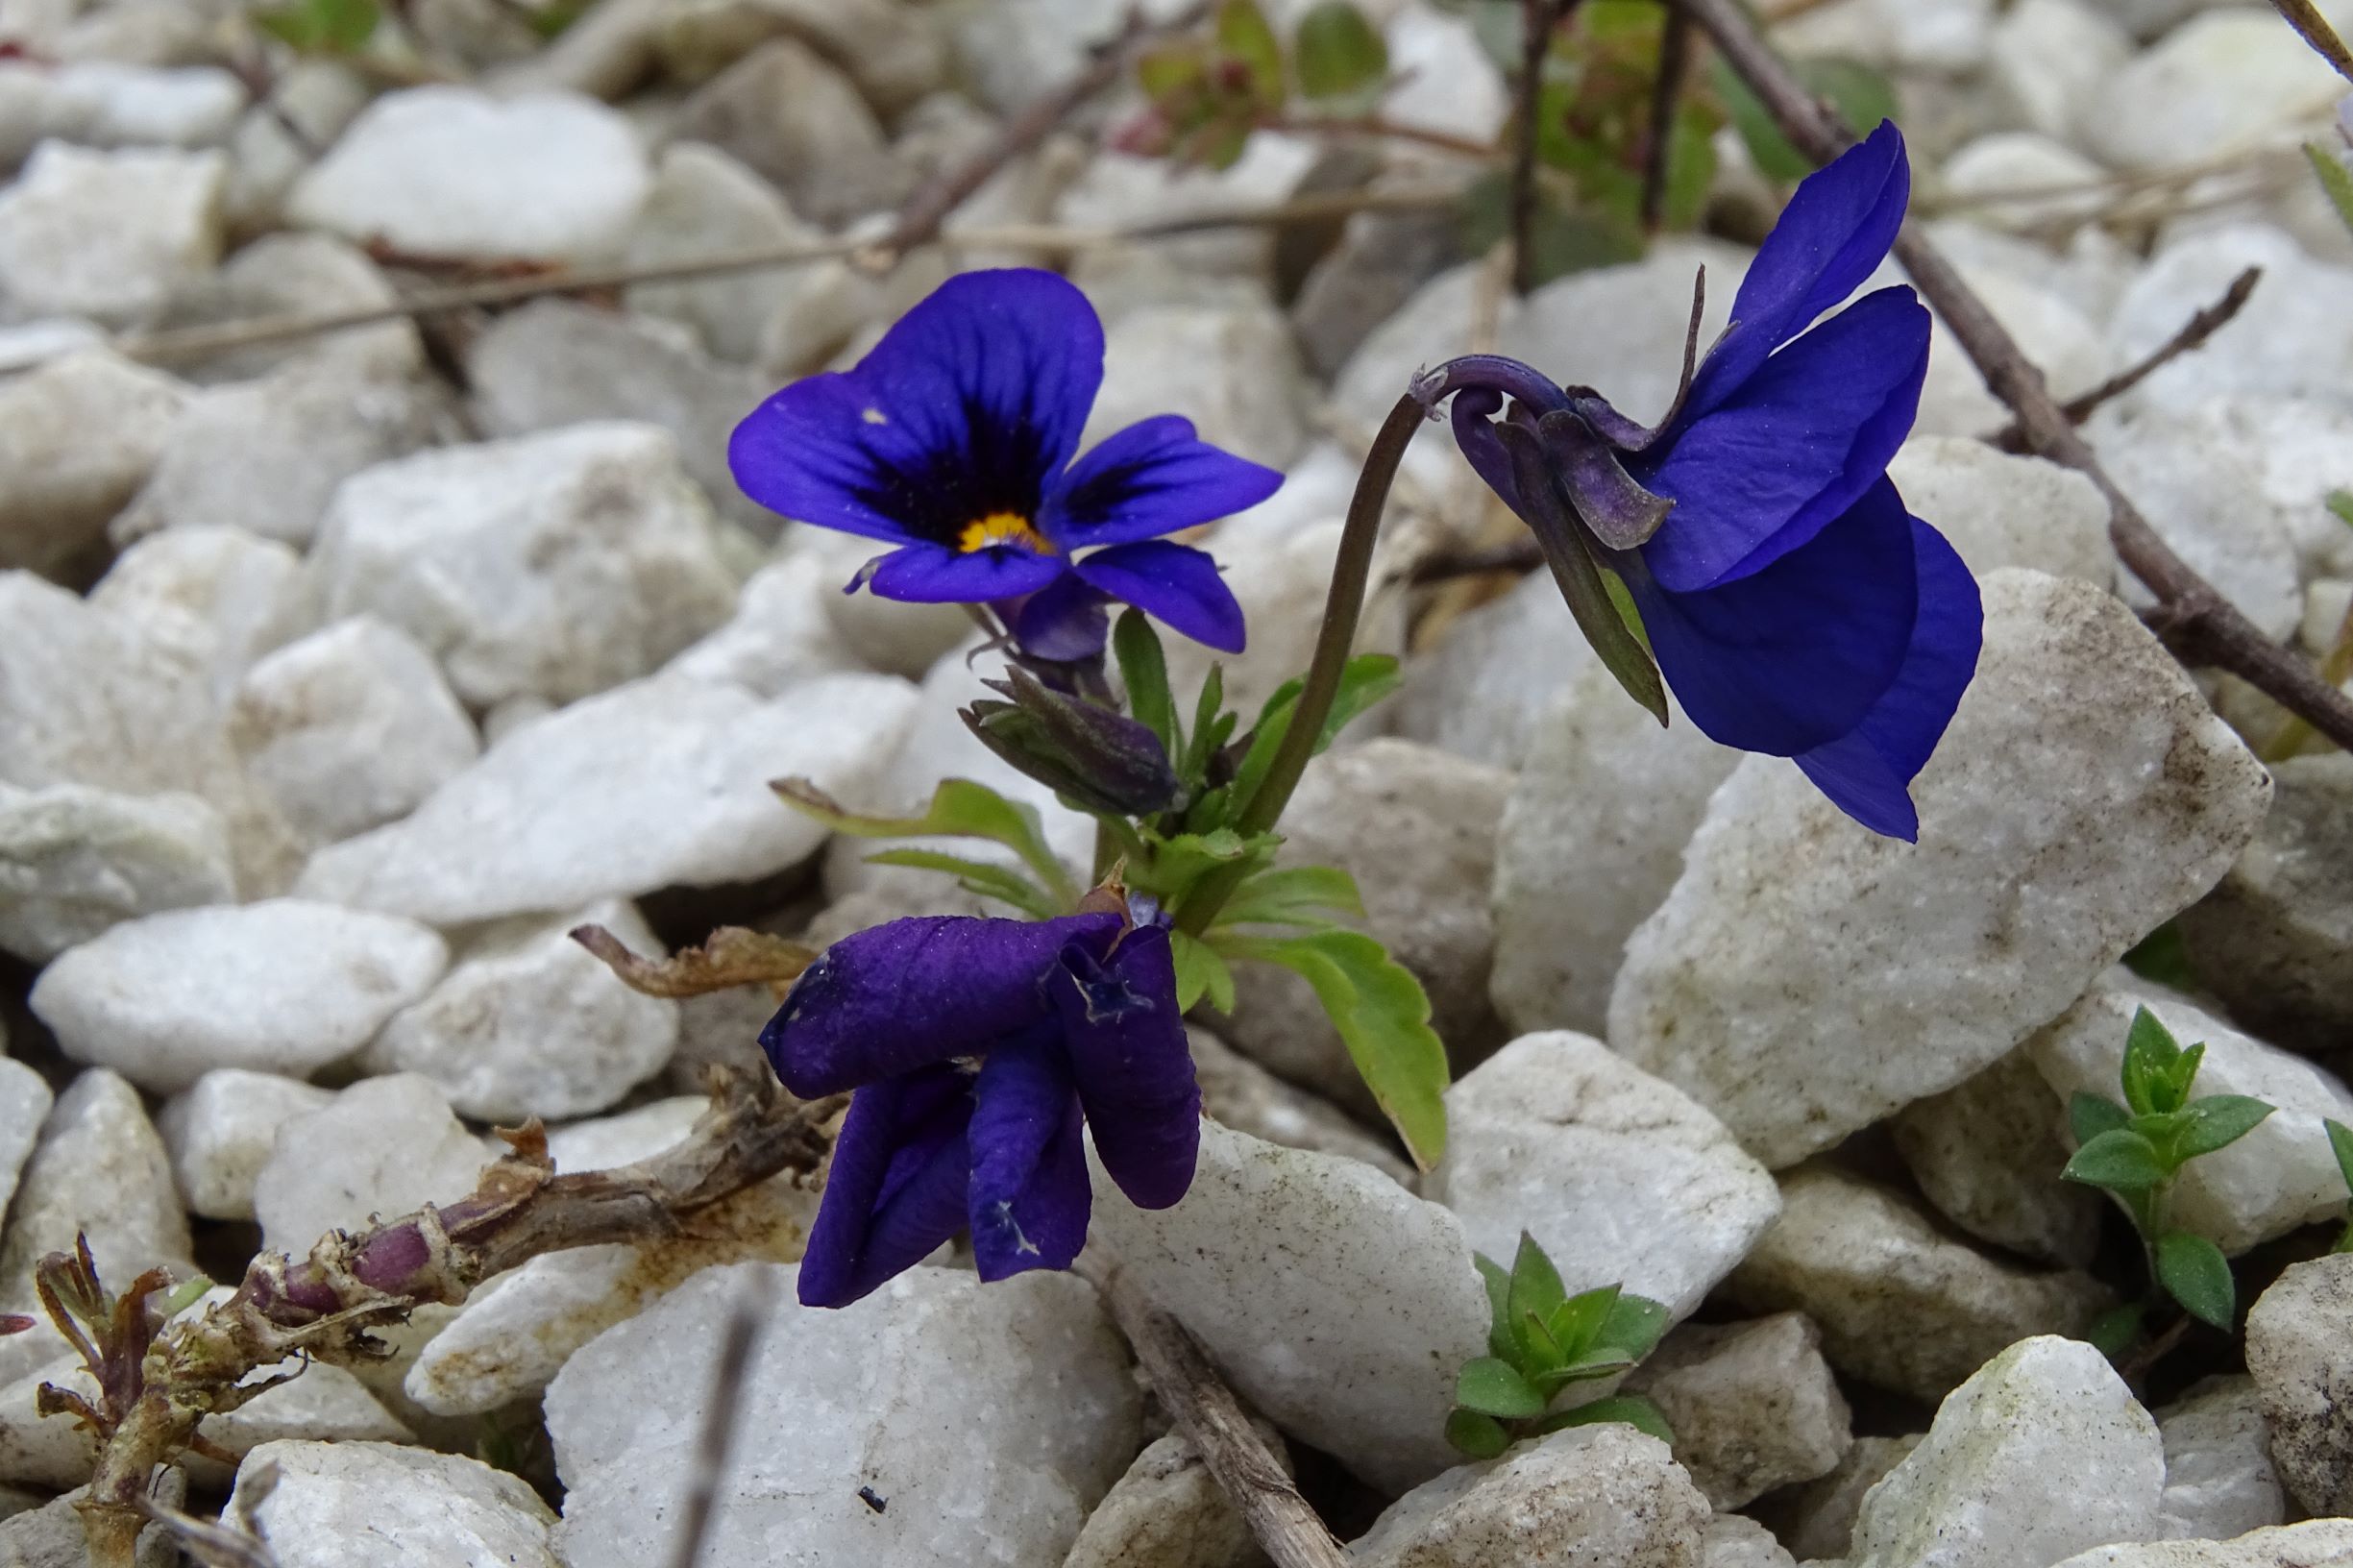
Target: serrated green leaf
(2150, 1052)
(1630, 1408)
(1493, 1386)
(1292, 895)
(2113, 1332)
(1246, 36)
(1383, 1016)
(2335, 179)
(1633, 1327)
(1475, 1436)
(1861, 95)
(1143, 670)
(2121, 1159)
(1001, 883)
(2194, 1273)
(2216, 1122)
(1576, 1322)
(2089, 1115)
(1339, 54)
(959, 809)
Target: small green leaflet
(1339, 55)
(2121, 1159)
(1293, 896)
(337, 27)
(2335, 179)
(2194, 1273)
(1632, 1410)
(959, 809)
(1200, 971)
(1493, 1386)
(1143, 670)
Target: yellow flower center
(1002, 529)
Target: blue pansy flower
(954, 440)
(976, 1048)
(1792, 604)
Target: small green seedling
(2134, 1152)
(2340, 1141)
(1542, 1340)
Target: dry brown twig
(2306, 18)
(1539, 20)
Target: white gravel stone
(1899, 1303)
(1167, 1511)
(1806, 977)
(1249, 1100)
(1599, 1494)
(2002, 510)
(220, 1131)
(1987, 1153)
(1496, 683)
(76, 861)
(24, 1105)
(1815, 1520)
(219, 597)
(784, 112)
(1945, 35)
(882, 633)
(1987, 175)
(1604, 802)
(349, 728)
(1734, 1540)
(298, 272)
(2277, 1177)
(2319, 1543)
(284, 986)
(2296, 328)
(2219, 1480)
(98, 1171)
(320, 97)
(2068, 350)
(704, 201)
(2220, 82)
(1619, 1175)
(2204, 496)
(2040, 1454)
(653, 784)
(360, 1505)
(78, 437)
(1253, 1258)
(1752, 1406)
(2049, 55)
(2297, 1337)
(383, 1147)
(990, 1417)
(49, 1533)
(449, 171)
(529, 1023)
(101, 104)
(1235, 373)
(781, 634)
(108, 236)
(556, 565)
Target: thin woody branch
(2306, 18)
(2197, 622)
(1539, 20)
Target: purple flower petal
(898, 997)
(1029, 1194)
(1175, 583)
(965, 410)
(1063, 622)
(928, 574)
(1833, 236)
(1791, 448)
(895, 1189)
(1134, 1069)
(1868, 773)
(1151, 478)
(1792, 657)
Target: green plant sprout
(2136, 1150)
(1542, 1340)
(2340, 1142)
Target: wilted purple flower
(975, 1047)
(1791, 602)
(950, 440)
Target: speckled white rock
(1619, 1175)
(75, 861)
(2204, 496)
(2299, 1347)
(1987, 1153)
(1253, 1259)
(377, 1506)
(787, 112)
(529, 1023)
(2275, 1178)
(106, 235)
(25, 1100)
(781, 633)
(2068, 350)
(931, 1391)
(657, 783)
(219, 597)
(1167, 1511)
(1495, 684)
(556, 565)
(1604, 802)
(284, 986)
(1599, 1494)
(1899, 1303)
(2297, 327)
(220, 1131)
(382, 1148)
(98, 1169)
(1236, 373)
(1815, 1520)
(447, 171)
(349, 728)
(2218, 84)
(2319, 1543)
(2002, 510)
(882, 633)
(1734, 1540)
(1806, 977)
(1249, 1100)
(79, 435)
(2040, 1454)
(2219, 1480)
(1752, 1406)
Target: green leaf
(1143, 670)
(2340, 503)
(2113, 1332)
(2120, 1159)
(1341, 55)
(2216, 1122)
(2087, 1115)
(1634, 1328)
(1630, 1408)
(1861, 95)
(1497, 1282)
(1475, 1436)
(959, 809)
(1201, 970)
(1493, 1386)
(1383, 1016)
(1001, 883)
(1245, 33)
(1292, 895)
(1211, 727)
(2194, 1273)
(324, 26)
(2340, 1143)
(2150, 1053)
(2162, 956)
(185, 1295)
(1172, 71)
(2335, 179)
(1537, 1290)
(1364, 680)
(1576, 1322)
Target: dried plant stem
(1674, 63)
(2306, 18)
(1211, 1418)
(1539, 20)
(2197, 622)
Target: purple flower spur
(1791, 602)
(952, 440)
(975, 1048)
